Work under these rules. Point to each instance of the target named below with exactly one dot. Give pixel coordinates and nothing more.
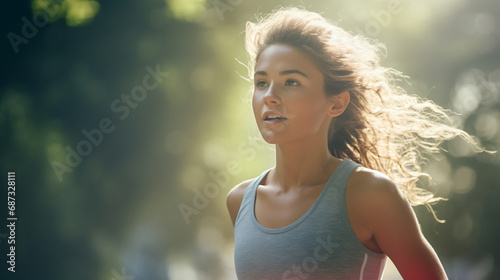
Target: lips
(273, 116)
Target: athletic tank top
(319, 245)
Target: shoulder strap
(249, 195)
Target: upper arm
(395, 229)
(234, 199)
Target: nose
(271, 96)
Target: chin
(272, 138)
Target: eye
(260, 84)
(292, 83)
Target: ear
(338, 103)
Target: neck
(303, 163)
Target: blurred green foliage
(116, 212)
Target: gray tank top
(319, 245)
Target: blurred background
(127, 122)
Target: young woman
(348, 154)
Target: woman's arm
(384, 212)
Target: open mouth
(274, 118)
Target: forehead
(279, 57)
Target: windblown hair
(382, 128)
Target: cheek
(255, 106)
(308, 107)
(312, 111)
(254, 102)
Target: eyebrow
(284, 72)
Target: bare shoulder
(375, 186)
(235, 197)
(375, 203)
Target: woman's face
(287, 84)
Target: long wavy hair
(383, 128)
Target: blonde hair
(383, 128)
